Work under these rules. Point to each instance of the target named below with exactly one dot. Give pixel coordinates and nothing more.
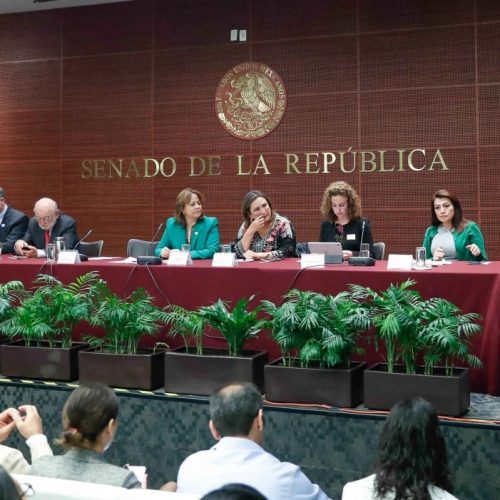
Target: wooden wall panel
(30, 36)
(191, 22)
(30, 85)
(111, 132)
(30, 135)
(435, 57)
(315, 123)
(386, 15)
(425, 117)
(191, 75)
(192, 129)
(25, 181)
(137, 80)
(488, 48)
(111, 28)
(120, 80)
(297, 63)
(273, 19)
(489, 118)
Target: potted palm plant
(201, 370)
(411, 328)
(44, 321)
(116, 359)
(11, 293)
(317, 335)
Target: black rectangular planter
(449, 395)
(46, 363)
(190, 373)
(332, 386)
(130, 371)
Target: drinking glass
(186, 247)
(226, 248)
(420, 257)
(50, 251)
(364, 250)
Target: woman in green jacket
(451, 236)
(190, 226)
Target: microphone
(362, 261)
(151, 260)
(362, 234)
(82, 256)
(87, 234)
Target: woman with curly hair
(412, 462)
(341, 208)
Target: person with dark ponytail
(412, 462)
(89, 421)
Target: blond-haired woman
(341, 209)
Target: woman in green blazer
(451, 236)
(190, 226)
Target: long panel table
(474, 288)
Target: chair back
(137, 248)
(49, 488)
(379, 250)
(91, 248)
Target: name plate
(68, 257)
(396, 261)
(312, 260)
(180, 259)
(224, 259)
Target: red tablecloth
(474, 288)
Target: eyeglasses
(47, 218)
(27, 490)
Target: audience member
(10, 489)
(13, 224)
(341, 208)
(412, 462)
(264, 233)
(237, 423)
(450, 235)
(234, 491)
(190, 226)
(47, 224)
(89, 420)
(29, 425)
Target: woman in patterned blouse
(264, 234)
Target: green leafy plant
(11, 293)
(51, 311)
(446, 335)
(311, 327)
(236, 325)
(396, 314)
(124, 321)
(190, 325)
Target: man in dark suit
(13, 224)
(47, 224)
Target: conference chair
(379, 250)
(137, 248)
(91, 248)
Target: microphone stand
(151, 260)
(362, 261)
(82, 256)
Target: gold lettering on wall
(308, 163)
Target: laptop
(331, 249)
